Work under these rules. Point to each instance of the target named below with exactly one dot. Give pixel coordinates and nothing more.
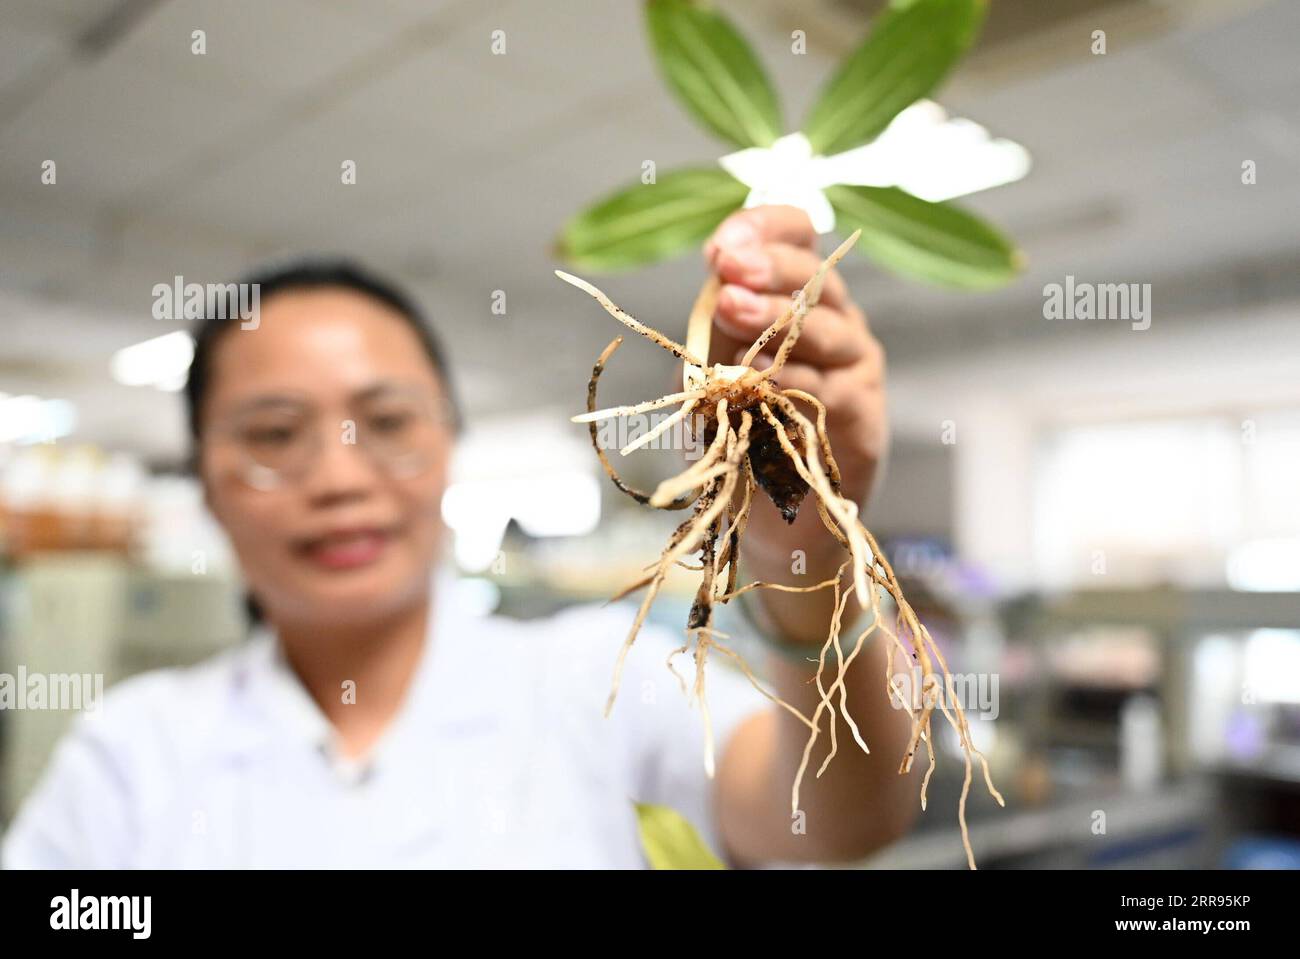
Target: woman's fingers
(829, 337)
(796, 376)
(779, 268)
(723, 345)
(854, 398)
(759, 225)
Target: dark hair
(309, 273)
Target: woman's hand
(763, 256)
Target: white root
(645, 407)
(654, 336)
(668, 422)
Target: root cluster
(758, 439)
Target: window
(1193, 501)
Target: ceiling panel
(56, 18)
(23, 50)
(112, 126)
(469, 162)
(1252, 55)
(254, 48)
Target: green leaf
(910, 49)
(938, 242)
(713, 71)
(670, 842)
(648, 222)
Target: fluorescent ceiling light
(160, 362)
(30, 419)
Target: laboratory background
(1097, 516)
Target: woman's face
(324, 456)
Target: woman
(373, 722)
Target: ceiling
(171, 163)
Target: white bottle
(1141, 742)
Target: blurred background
(1103, 521)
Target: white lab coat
(499, 757)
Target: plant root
(760, 440)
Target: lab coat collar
(277, 710)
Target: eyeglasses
(279, 440)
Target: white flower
(923, 151)
(787, 173)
